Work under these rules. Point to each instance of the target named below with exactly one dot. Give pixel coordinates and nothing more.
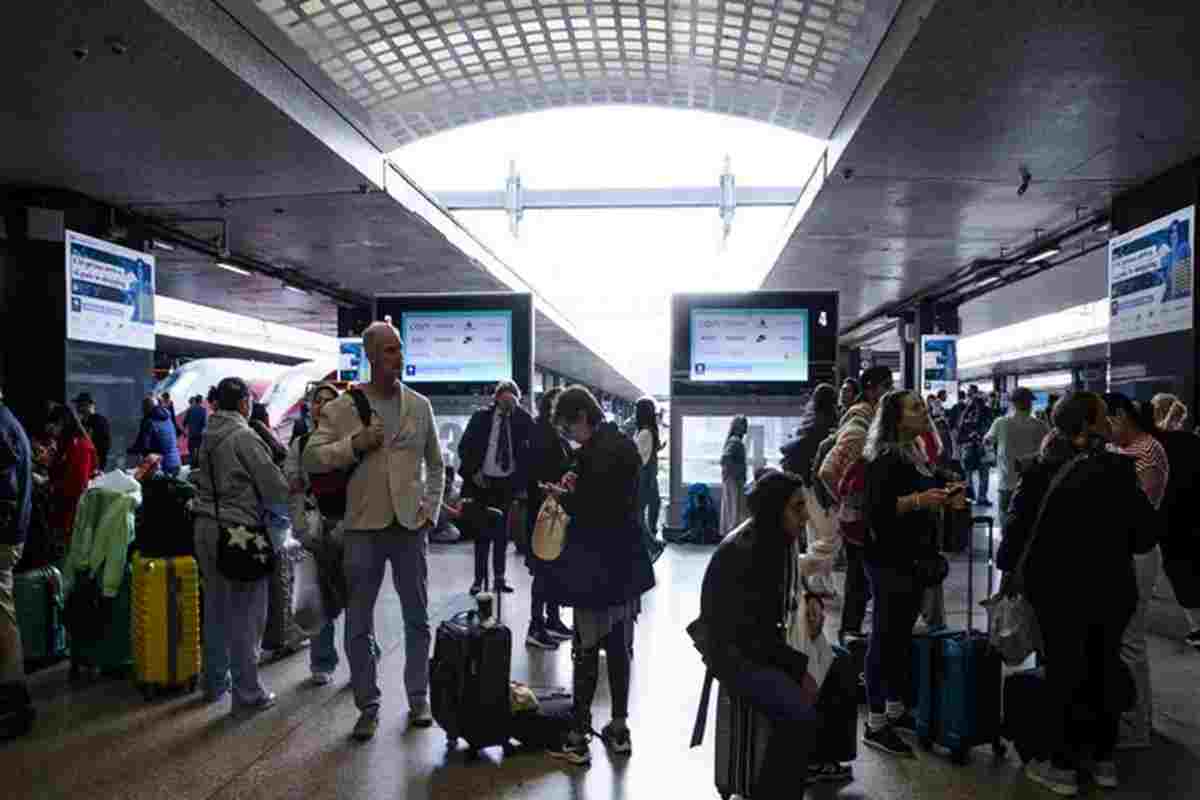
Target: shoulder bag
(1012, 624)
(244, 552)
(550, 530)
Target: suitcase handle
(991, 524)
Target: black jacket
(1181, 503)
(1098, 518)
(743, 605)
(101, 432)
(549, 460)
(798, 452)
(472, 448)
(604, 562)
(896, 540)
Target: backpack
(329, 488)
(700, 517)
(852, 513)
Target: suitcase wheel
(960, 757)
(192, 684)
(926, 743)
(149, 692)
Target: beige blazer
(389, 485)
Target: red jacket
(69, 476)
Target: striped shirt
(1152, 467)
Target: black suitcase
(468, 681)
(547, 726)
(741, 745)
(165, 522)
(856, 651)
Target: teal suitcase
(38, 596)
(112, 649)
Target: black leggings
(541, 610)
(587, 675)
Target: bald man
(393, 498)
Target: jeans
(858, 590)
(586, 674)
(649, 501)
(235, 615)
(493, 535)
(889, 651)
(12, 659)
(322, 653)
(1137, 723)
(366, 554)
(793, 728)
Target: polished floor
(102, 740)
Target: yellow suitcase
(166, 623)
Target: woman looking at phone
(904, 492)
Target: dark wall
(1167, 362)
(39, 365)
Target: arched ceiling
(411, 68)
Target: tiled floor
(103, 740)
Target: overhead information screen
(457, 346)
(750, 344)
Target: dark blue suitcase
(957, 677)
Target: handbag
(244, 552)
(1012, 623)
(550, 530)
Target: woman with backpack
(733, 475)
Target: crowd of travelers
(1100, 487)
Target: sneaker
(557, 630)
(616, 740)
(368, 723)
(321, 678)
(574, 750)
(830, 773)
(476, 588)
(1193, 639)
(906, 722)
(419, 715)
(268, 700)
(1060, 781)
(502, 586)
(1104, 773)
(541, 640)
(886, 740)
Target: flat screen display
(110, 293)
(750, 344)
(1150, 278)
(457, 346)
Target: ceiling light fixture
(232, 268)
(1050, 252)
(159, 244)
(295, 289)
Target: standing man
(973, 425)
(16, 481)
(195, 422)
(390, 510)
(1017, 436)
(494, 454)
(97, 427)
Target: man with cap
(97, 427)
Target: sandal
(830, 773)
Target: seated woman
(746, 601)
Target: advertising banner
(939, 365)
(1150, 278)
(110, 293)
(352, 361)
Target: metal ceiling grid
(422, 66)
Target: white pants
(733, 504)
(1137, 723)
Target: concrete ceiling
(151, 121)
(1090, 98)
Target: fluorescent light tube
(1042, 256)
(232, 268)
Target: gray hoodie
(248, 481)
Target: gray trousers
(235, 615)
(12, 660)
(366, 554)
(1138, 723)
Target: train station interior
(998, 194)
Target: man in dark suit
(97, 427)
(494, 457)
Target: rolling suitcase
(293, 583)
(111, 648)
(741, 745)
(41, 609)
(957, 681)
(468, 678)
(166, 623)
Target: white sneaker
(321, 678)
(1060, 781)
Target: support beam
(682, 197)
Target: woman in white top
(648, 445)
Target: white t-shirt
(645, 445)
